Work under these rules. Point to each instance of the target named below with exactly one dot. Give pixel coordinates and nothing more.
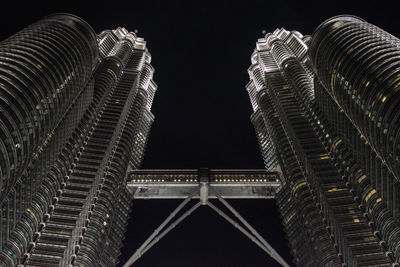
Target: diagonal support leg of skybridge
(139, 252)
(204, 184)
(258, 240)
(157, 235)
(268, 248)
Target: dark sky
(201, 52)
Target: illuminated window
(300, 184)
(334, 189)
(361, 178)
(289, 218)
(336, 144)
(371, 192)
(324, 156)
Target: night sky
(201, 52)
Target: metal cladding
(42, 70)
(75, 114)
(265, 73)
(359, 110)
(333, 213)
(74, 119)
(358, 64)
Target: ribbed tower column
(42, 69)
(45, 87)
(357, 107)
(358, 65)
(325, 222)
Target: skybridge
(204, 184)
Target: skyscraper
(74, 118)
(326, 112)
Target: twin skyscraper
(75, 117)
(327, 114)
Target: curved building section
(42, 69)
(373, 186)
(71, 125)
(306, 231)
(320, 209)
(357, 64)
(46, 86)
(47, 220)
(106, 225)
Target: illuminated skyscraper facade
(74, 118)
(326, 110)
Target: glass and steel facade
(74, 118)
(75, 114)
(357, 98)
(338, 200)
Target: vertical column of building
(265, 142)
(364, 249)
(357, 103)
(37, 216)
(45, 87)
(375, 199)
(133, 142)
(368, 93)
(339, 210)
(310, 242)
(112, 207)
(65, 186)
(64, 224)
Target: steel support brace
(267, 249)
(159, 233)
(138, 252)
(169, 228)
(271, 250)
